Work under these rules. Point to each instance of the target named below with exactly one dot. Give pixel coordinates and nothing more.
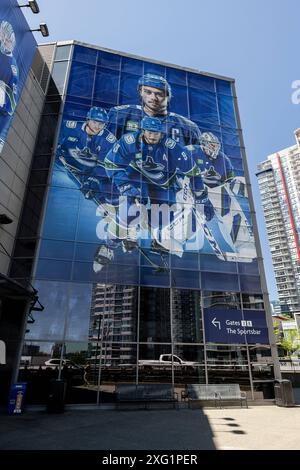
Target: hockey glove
(207, 205)
(91, 187)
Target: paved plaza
(259, 427)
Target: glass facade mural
(147, 243)
(17, 47)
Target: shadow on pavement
(108, 429)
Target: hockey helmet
(7, 38)
(97, 114)
(152, 124)
(210, 144)
(155, 81)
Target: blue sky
(254, 41)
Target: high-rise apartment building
(279, 183)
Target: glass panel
(188, 366)
(213, 281)
(113, 313)
(81, 80)
(40, 362)
(187, 318)
(223, 300)
(79, 312)
(59, 72)
(179, 102)
(78, 375)
(224, 87)
(84, 54)
(253, 301)
(106, 86)
(228, 364)
(49, 325)
(116, 363)
(56, 270)
(155, 363)
(62, 52)
(155, 313)
(226, 110)
(201, 82)
(110, 60)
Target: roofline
(133, 56)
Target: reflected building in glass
(113, 320)
(145, 252)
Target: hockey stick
(209, 235)
(157, 267)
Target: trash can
(284, 395)
(56, 396)
(17, 395)
(268, 390)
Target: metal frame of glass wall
(210, 359)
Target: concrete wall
(15, 162)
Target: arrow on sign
(216, 323)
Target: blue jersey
(81, 153)
(9, 77)
(160, 166)
(127, 119)
(214, 171)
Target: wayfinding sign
(235, 326)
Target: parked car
(65, 362)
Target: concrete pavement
(259, 427)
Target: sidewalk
(260, 427)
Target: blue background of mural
(69, 240)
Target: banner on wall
(149, 174)
(235, 327)
(17, 48)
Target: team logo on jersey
(132, 126)
(150, 169)
(170, 143)
(71, 124)
(211, 173)
(111, 138)
(129, 139)
(72, 139)
(84, 156)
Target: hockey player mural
(227, 193)
(155, 95)
(157, 187)
(150, 168)
(9, 77)
(17, 48)
(81, 151)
